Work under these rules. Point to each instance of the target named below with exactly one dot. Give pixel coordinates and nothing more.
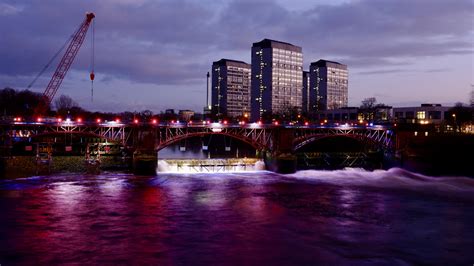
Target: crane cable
(50, 61)
(92, 75)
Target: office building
(305, 94)
(277, 78)
(230, 88)
(328, 85)
(423, 114)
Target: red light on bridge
(39, 119)
(154, 121)
(306, 123)
(59, 119)
(135, 121)
(117, 120)
(225, 122)
(276, 123)
(79, 120)
(259, 123)
(98, 120)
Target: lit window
(420, 115)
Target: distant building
(230, 87)
(342, 115)
(277, 78)
(328, 85)
(424, 114)
(185, 115)
(306, 92)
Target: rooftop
(268, 43)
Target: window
(434, 115)
(420, 115)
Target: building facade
(277, 78)
(328, 85)
(423, 114)
(230, 88)
(305, 94)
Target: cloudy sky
(154, 54)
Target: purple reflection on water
(247, 218)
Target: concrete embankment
(23, 166)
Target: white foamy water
(209, 166)
(393, 178)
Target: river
(344, 217)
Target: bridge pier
(145, 157)
(145, 162)
(282, 159)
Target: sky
(154, 54)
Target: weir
(210, 165)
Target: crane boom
(64, 64)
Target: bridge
(151, 136)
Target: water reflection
(245, 218)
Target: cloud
(174, 42)
(7, 9)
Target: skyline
(147, 57)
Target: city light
(39, 119)
(59, 119)
(117, 120)
(154, 121)
(98, 120)
(306, 123)
(135, 121)
(79, 120)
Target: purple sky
(155, 54)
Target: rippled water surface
(347, 217)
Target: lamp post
(455, 126)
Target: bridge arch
(302, 142)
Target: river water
(345, 217)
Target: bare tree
(368, 103)
(472, 96)
(64, 104)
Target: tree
(368, 108)
(368, 103)
(65, 106)
(472, 97)
(18, 103)
(461, 116)
(65, 102)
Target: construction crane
(66, 61)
